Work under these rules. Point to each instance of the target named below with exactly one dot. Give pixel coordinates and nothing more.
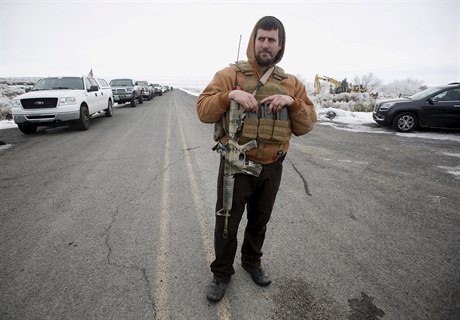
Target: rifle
(235, 157)
(235, 161)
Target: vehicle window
(103, 82)
(448, 95)
(88, 84)
(424, 93)
(93, 82)
(72, 83)
(121, 82)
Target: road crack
(142, 271)
(107, 235)
(305, 183)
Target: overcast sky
(180, 41)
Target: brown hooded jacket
(213, 102)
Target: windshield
(121, 83)
(143, 83)
(64, 83)
(423, 94)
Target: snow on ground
(7, 124)
(363, 122)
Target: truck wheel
(109, 110)
(141, 101)
(27, 128)
(405, 122)
(133, 102)
(84, 121)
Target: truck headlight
(16, 103)
(386, 106)
(67, 100)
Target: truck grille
(39, 103)
(119, 90)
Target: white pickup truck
(58, 100)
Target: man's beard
(264, 62)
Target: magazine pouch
(250, 124)
(265, 128)
(281, 131)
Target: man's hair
(271, 23)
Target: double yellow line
(161, 294)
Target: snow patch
(455, 171)
(5, 146)
(7, 124)
(452, 154)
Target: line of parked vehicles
(128, 90)
(55, 101)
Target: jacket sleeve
(302, 111)
(213, 102)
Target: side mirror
(432, 101)
(93, 88)
(28, 89)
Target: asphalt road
(116, 223)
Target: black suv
(435, 107)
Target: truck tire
(109, 110)
(27, 128)
(141, 101)
(84, 121)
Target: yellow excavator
(358, 88)
(340, 86)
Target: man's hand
(277, 102)
(247, 100)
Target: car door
(99, 96)
(92, 97)
(443, 109)
(106, 92)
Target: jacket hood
(251, 53)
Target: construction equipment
(336, 83)
(339, 86)
(358, 88)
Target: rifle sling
(263, 80)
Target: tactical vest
(264, 127)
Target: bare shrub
(10, 88)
